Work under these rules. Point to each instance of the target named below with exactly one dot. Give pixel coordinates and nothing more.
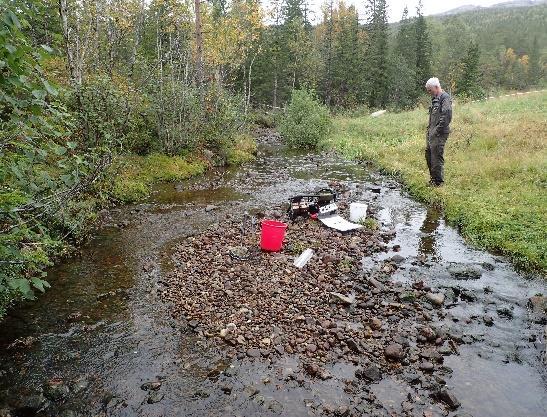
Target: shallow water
(102, 330)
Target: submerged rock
(427, 366)
(55, 390)
(398, 259)
(371, 373)
(488, 320)
(437, 299)
(154, 397)
(538, 304)
(465, 271)
(505, 312)
(353, 345)
(151, 386)
(448, 398)
(253, 353)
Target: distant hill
(512, 24)
(461, 9)
(506, 4)
(509, 25)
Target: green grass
(369, 223)
(244, 150)
(496, 169)
(132, 176)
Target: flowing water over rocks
(406, 320)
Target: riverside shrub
(306, 121)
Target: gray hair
(432, 82)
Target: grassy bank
(496, 169)
(133, 175)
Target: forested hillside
(512, 43)
(88, 87)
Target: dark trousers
(434, 155)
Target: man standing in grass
(440, 116)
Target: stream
(87, 346)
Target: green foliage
(405, 39)
(508, 38)
(377, 89)
(25, 94)
(369, 223)
(306, 121)
(536, 70)
(264, 119)
(224, 118)
(410, 63)
(496, 164)
(342, 49)
(288, 59)
(188, 125)
(111, 112)
(403, 71)
(243, 150)
(423, 50)
(43, 171)
(470, 83)
(402, 79)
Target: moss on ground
(132, 176)
(496, 169)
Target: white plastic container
(303, 259)
(378, 113)
(357, 212)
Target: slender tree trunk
(138, 30)
(274, 102)
(199, 48)
(160, 75)
(75, 77)
(328, 93)
(248, 103)
(245, 86)
(111, 43)
(96, 36)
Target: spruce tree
(405, 40)
(423, 50)
(403, 80)
(377, 77)
(535, 72)
(296, 31)
(470, 83)
(347, 68)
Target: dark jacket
(440, 115)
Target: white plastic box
(357, 212)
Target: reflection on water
(503, 394)
(428, 240)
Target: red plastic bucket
(272, 235)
